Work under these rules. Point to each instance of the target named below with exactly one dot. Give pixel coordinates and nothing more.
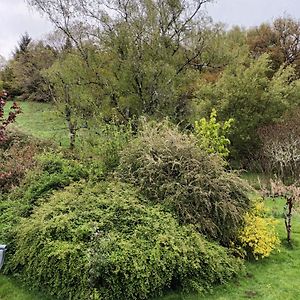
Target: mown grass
(10, 289)
(41, 120)
(257, 181)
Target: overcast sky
(17, 18)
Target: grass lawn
(11, 290)
(41, 120)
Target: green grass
(41, 120)
(257, 180)
(10, 290)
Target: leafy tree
(281, 40)
(211, 134)
(71, 92)
(248, 93)
(149, 50)
(23, 74)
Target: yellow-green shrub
(104, 241)
(259, 237)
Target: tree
(71, 92)
(247, 93)
(281, 146)
(291, 193)
(23, 44)
(281, 40)
(149, 48)
(23, 73)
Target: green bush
(52, 172)
(169, 167)
(102, 145)
(105, 242)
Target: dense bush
(105, 242)
(15, 160)
(101, 146)
(170, 168)
(52, 172)
(281, 147)
(259, 237)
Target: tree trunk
(68, 115)
(72, 132)
(288, 218)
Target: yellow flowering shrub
(259, 237)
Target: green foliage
(69, 77)
(249, 93)
(102, 145)
(52, 172)
(104, 242)
(169, 167)
(72, 92)
(211, 134)
(23, 76)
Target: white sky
(249, 13)
(16, 18)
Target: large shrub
(169, 167)
(52, 172)
(105, 242)
(259, 237)
(281, 146)
(16, 159)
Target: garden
(150, 154)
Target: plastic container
(2, 255)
